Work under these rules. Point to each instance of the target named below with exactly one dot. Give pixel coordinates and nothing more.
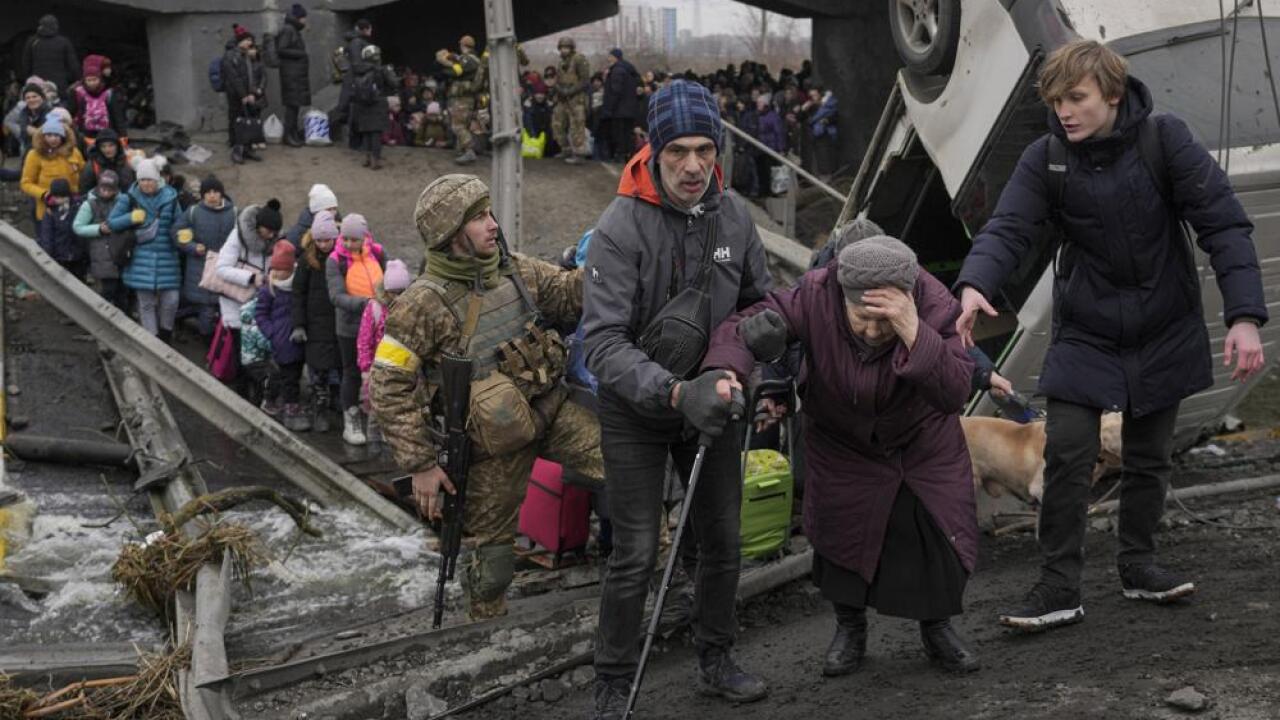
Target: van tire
(926, 34)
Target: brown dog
(1008, 457)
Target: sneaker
(466, 158)
(1153, 583)
(719, 675)
(1045, 607)
(611, 698)
(352, 433)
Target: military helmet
(566, 41)
(467, 41)
(448, 203)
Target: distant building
(669, 30)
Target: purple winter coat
(870, 426)
(770, 130)
(274, 316)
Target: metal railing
(781, 208)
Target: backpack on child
(215, 75)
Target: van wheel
(926, 33)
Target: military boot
(570, 158)
(719, 675)
(466, 158)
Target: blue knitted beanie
(682, 109)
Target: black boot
(320, 407)
(719, 675)
(611, 697)
(944, 646)
(849, 645)
(237, 154)
(165, 336)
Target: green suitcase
(767, 486)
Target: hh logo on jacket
(722, 254)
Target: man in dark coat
(889, 499)
(244, 80)
(1128, 326)
(370, 113)
(648, 247)
(50, 55)
(360, 37)
(621, 104)
(295, 74)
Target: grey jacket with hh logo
(642, 244)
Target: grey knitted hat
(859, 228)
(876, 262)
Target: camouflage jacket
(462, 71)
(575, 75)
(419, 328)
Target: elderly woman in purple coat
(889, 499)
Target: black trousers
(620, 137)
(291, 130)
(371, 142)
(1070, 452)
(635, 460)
(283, 383)
(350, 392)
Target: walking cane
(704, 442)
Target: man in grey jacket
(648, 246)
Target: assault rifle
(455, 394)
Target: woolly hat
(109, 178)
(33, 87)
(354, 226)
(211, 182)
(106, 135)
(877, 262)
(538, 87)
(282, 255)
(298, 11)
(60, 188)
(53, 126)
(396, 278)
(433, 108)
(324, 227)
(859, 228)
(682, 109)
(320, 197)
(241, 32)
(616, 52)
(146, 170)
(91, 66)
(269, 216)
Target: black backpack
(366, 89)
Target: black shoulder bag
(678, 335)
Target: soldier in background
(573, 90)
(463, 68)
(476, 300)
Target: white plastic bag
(315, 126)
(273, 129)
(779, 179)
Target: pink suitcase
(555, 515)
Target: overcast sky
(705, 17)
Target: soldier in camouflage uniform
(476, 300)
(463, 89)
(573, 90)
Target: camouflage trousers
(569, 124)
(495, 489)
(460, 111)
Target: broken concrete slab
(296, 461)
(420, 704)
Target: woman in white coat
(243, 259)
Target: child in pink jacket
(373, 323)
